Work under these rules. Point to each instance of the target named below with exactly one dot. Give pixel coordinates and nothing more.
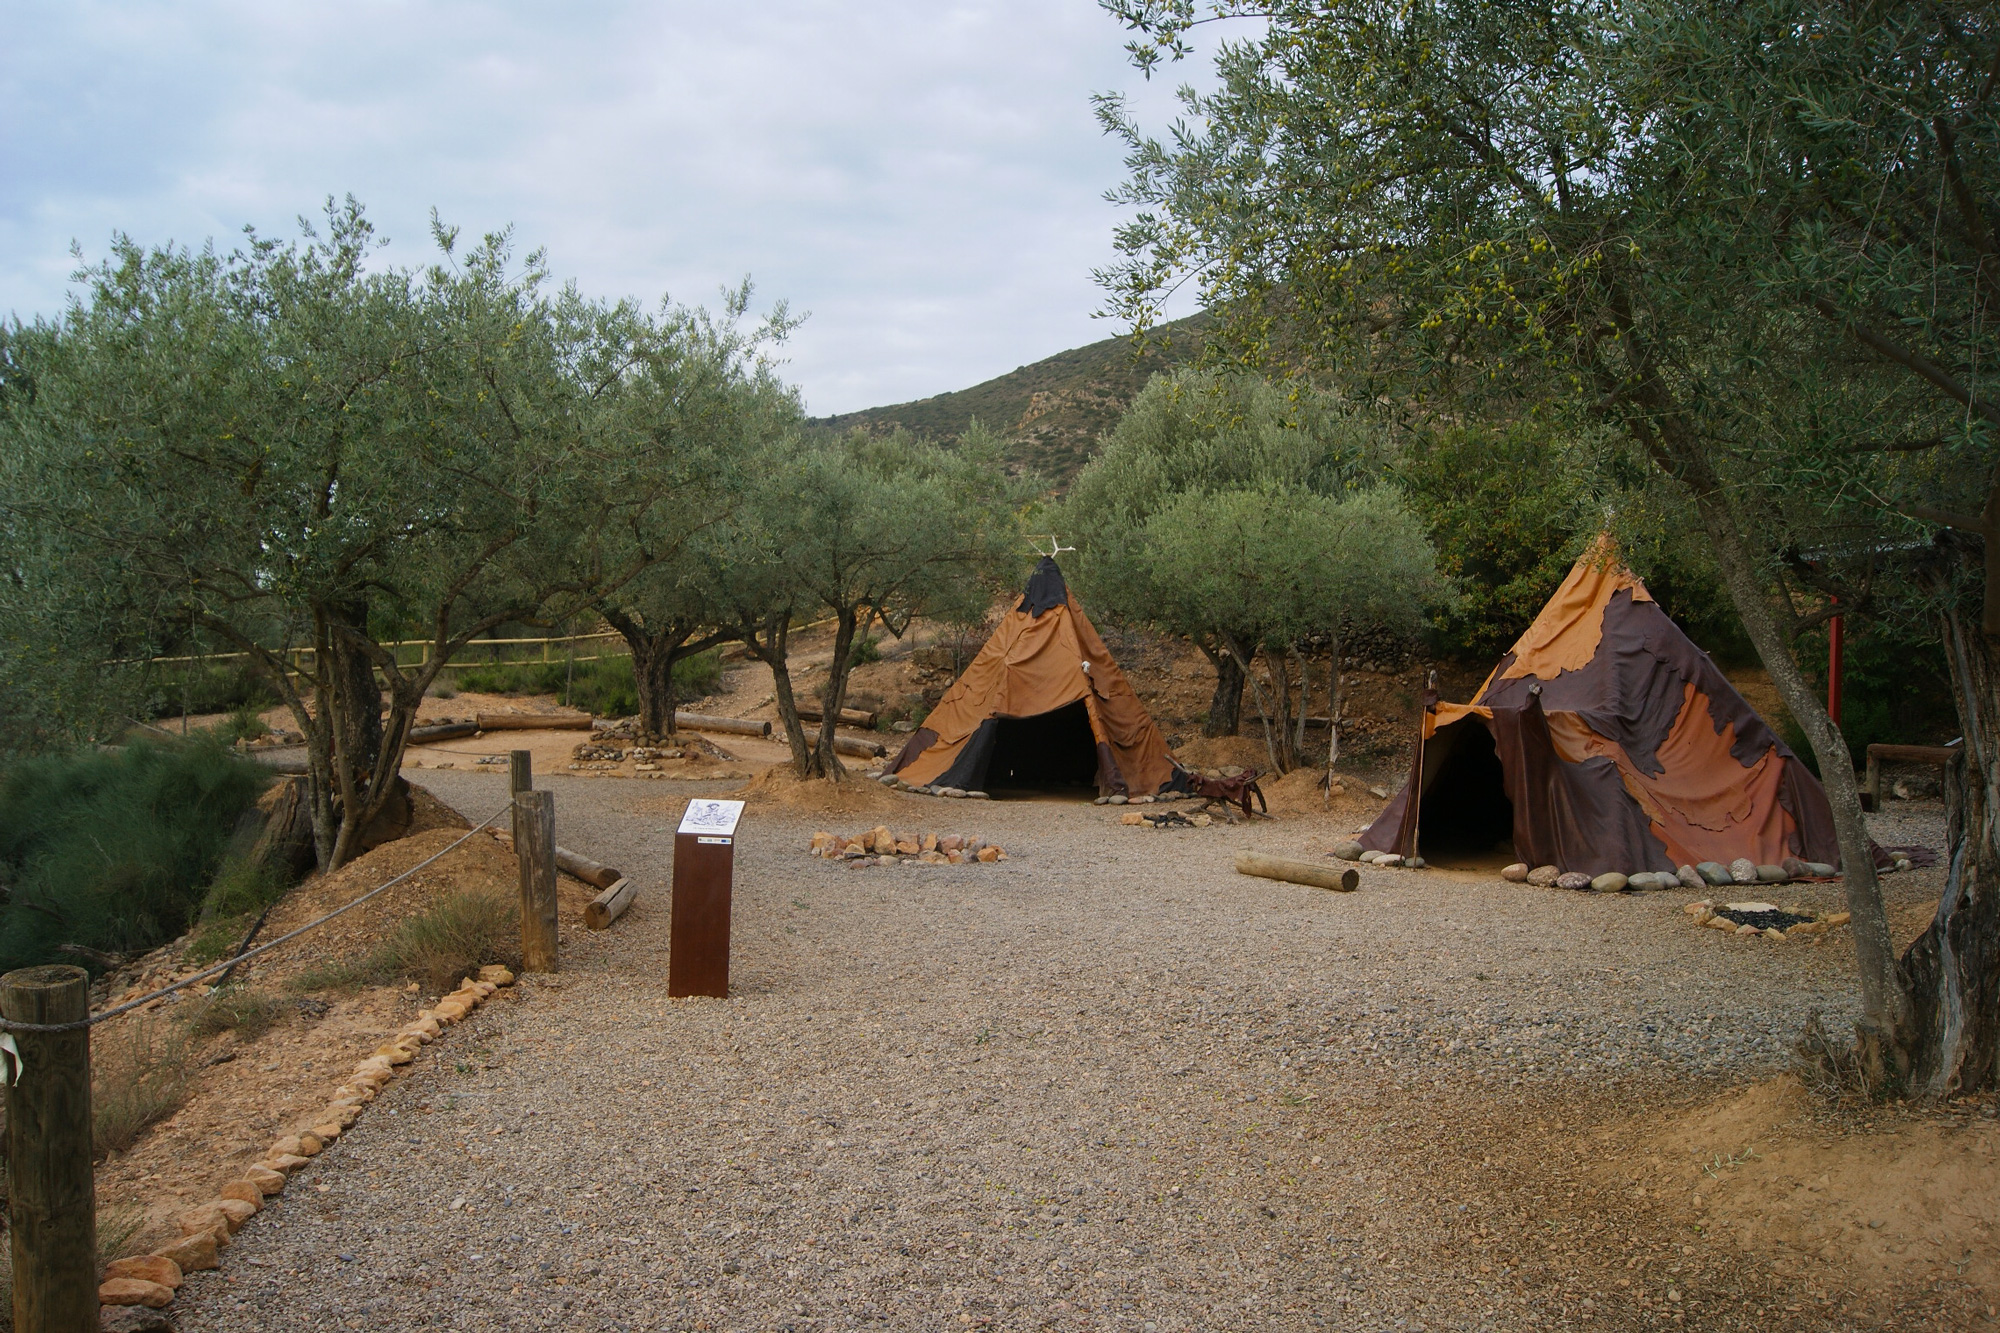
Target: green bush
(247, 1013)
(1895, 690)
(114, 850)
(242, 725)
(864, 650)
(139, 1076)
(604, 687)
(207, 687)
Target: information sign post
(704, 865)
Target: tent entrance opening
(1465, 813)
(1052, 749)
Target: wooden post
(520, 771)
(51, 1197)
(535, 849)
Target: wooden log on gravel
(280, 758)
(728, 726)
(442, 731)
(849, 717)
(859, 749)
(1297, 872)
(534, 722)
(585, 869)
(609, 905)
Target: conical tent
(1606, 741)
(1042, 705)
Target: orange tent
(1605, 740)
(1042, 705)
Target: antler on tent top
(1055, 547)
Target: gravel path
(1107, 1084)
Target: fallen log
(849, 717)
(534, 722)
(609, 905)
(585, 869)
(728, 726)
(281, 758)
(442, 731)
(1297, 872)
(859, 749)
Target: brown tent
(1042, 705)
(1605, 740)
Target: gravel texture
(1107, 1084)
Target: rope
(9, 1025)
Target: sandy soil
(1109, 1084)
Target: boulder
(245, 1190)
(1544, 877)
(1388, 859)
(1609, 882)
(1119, 798)
(1743, 871)
(1645, 881)
(1131, 817)
(207, 1220)
(1516, 873)
(1719, 923)
(1347, 851)
(1794, 868)
(1415, 863)
(264, 1178)
(1713, 872)
(990, 853)
(135, 1291)
(147, 1268)
(1691, 878)
(1773, 933)
(1820, 870)
(192, 1254)
(977, 796)
(1573, 879)
(1772, 874)
(137, 1318)
(285, 1162)
(1699, 908)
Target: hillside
(1053, 410)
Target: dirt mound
(1878, 1197)
(778, 788)
(1298, 794)
(1218, 751)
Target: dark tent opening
(1465, 811)
(1053, 749)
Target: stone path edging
(151, 1280)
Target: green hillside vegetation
(1051, 412)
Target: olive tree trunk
(1950, 977)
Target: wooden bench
(1940, 755)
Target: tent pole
(1417, 815)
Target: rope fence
(9, 1025)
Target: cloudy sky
(925, 177)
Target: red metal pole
(1836, 645)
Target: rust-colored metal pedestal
(704, 867)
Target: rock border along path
(1108, 1084)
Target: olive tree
(1193, 432)
(305, 458)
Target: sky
(924, 177)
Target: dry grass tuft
(247, 1013)
(140, 1076)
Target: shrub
(434, 948)
(242, 725)
(604, 687)
(453, 937)
(113, 850)
(206, 687)
(247, 1013)
(140, 1076)
(864, 650)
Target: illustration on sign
(711, 816)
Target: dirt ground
(1106, 1085)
